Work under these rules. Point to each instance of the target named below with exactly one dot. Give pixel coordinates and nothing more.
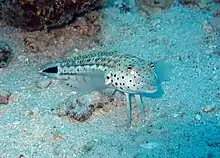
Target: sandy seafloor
(176, 126)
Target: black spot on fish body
(96, 59)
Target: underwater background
(39, 117)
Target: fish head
(147, 81)
(137, 78)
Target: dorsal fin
(94, 54)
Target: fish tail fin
(163, 70)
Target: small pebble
(150, 145)
(156, 23)
(209, 109)
(198, 117)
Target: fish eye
(130, 67)
(152, 65)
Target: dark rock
(151, 6)
(124, 8)
(5, 54)
(41, 14)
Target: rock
(44, 83)
(4, 96)
(5, 54)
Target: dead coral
(82, 34)
(82, 108)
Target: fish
(122, 72)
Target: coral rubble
(83, 33)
